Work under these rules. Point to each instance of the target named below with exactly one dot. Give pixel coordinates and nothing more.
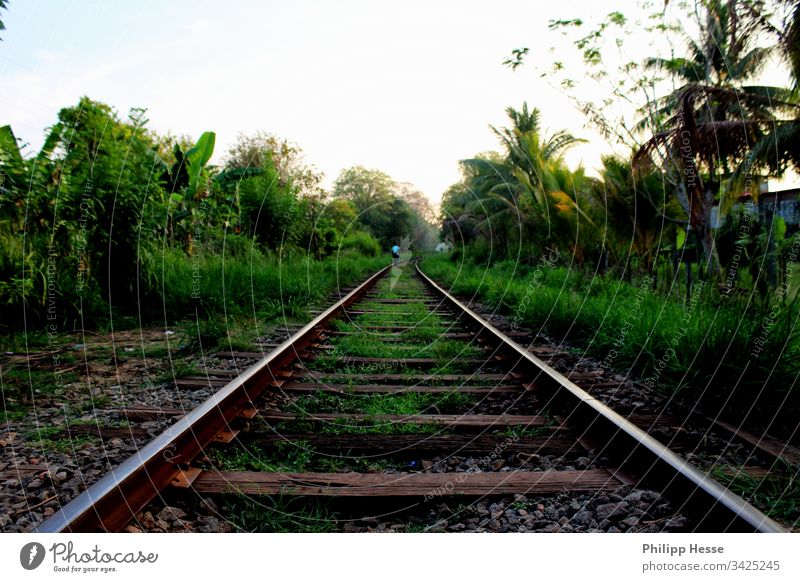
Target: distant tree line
(86, 218)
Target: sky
(408, 88)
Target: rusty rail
(113, 501)
(714, 507)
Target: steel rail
(114, 500)
(716, 508)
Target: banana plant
(196, 159)
(183, 179)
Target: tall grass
(729, 354)
(256, 283)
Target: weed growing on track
(379, 404)
(276, 514)
(286, 457)
(368, 347)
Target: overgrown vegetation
(110, 219)
(709, 351)
(266, 514)
(672, 263)
(777, 493)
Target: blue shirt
(396, 249)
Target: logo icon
(399, 264)
(31, 555)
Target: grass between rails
(268, 514)
(379, 404)
(447, 354)
(725, 353)
(371, 347)
(296, 457)
(423, 325)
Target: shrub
(360, 243)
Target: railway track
(395, 397)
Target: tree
(712, 119)
(781, 147)
(379, 211)
(3, 6)
(635, 209)
(81, 210)
(269, 206)
(416, 199)
(364, 188)
(107, 179)
(341, 214)
(425, 230)
(250, 152)
(528, 195)
(783, 25)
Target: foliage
(362, 243)
(110, 219)
(523, 200)
(747, 350)
(691, 113)
(3, 6)
(382, 207)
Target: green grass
(632, 329)
(266, 514)
(519, 432)
(154, 352)
(293, 457)
(65, 445)
(441, 349)
(379, 404)
(29, 340)
(179, 369)
(257, 284)
(777, 495)
(21, 386)
(285, 458)
(372, 426)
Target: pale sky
(409, 88)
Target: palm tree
(706, 126)
(635, 210)
(781, 147)
(786, 31)
(516, 193)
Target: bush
(360, 243)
